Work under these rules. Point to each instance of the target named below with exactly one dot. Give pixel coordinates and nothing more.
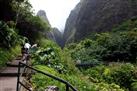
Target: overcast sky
(57, 10)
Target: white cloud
(57, 10)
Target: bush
(120, 74)
(8, 55)
(108, 87)
(134, 86)
(108, 47)
(8, 36)
(79, 81)
(40, 81)
(123, 75)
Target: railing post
(67, 87)
(18, 77)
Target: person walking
(26, 48)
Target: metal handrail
(68, 85)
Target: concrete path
(8, 83)
(8, 76)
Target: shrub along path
(8, 76)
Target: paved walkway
(8, 83)
(8, 77)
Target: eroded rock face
(98, 16)
(43, 16)
(69, 31)
(56, 36)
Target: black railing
(20, 83)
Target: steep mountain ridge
(97, 16)
(70, 24)
(54, 34)
(43, 16)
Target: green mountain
(97, 16)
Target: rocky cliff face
(70, 25)
(56, 36)
(43, 16)
(98, 16)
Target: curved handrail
(68, 85)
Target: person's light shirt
(27, 45)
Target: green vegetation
(8, 55)
(9, 43)
(22, 19)
(18, 23)
(60, 65)
(112, 55)
(121, 74)
(130, 24)
(8, 36)
(107, 47)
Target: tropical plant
(8, 36)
